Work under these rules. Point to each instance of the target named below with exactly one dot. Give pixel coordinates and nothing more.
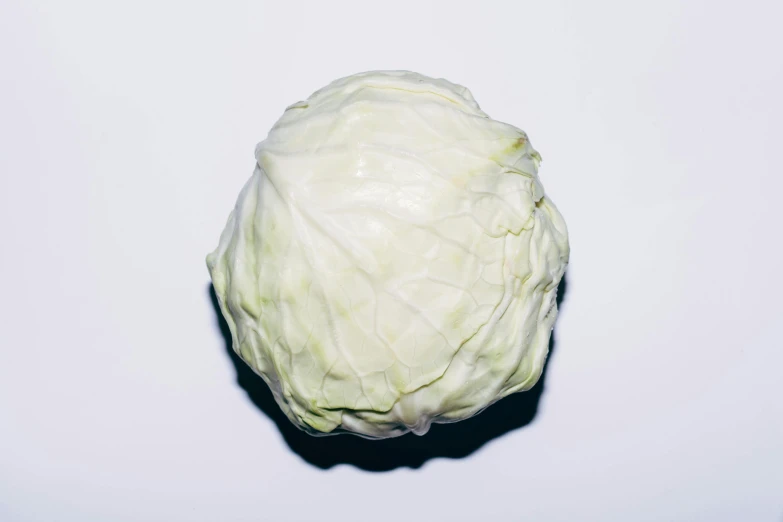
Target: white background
(128, 129)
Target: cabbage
(393, 261)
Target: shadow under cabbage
(453, 441)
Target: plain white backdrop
(128, 129)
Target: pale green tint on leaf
(393, 261)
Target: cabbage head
(393, 261)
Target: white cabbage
(393, 261)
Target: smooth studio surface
(129, 128)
